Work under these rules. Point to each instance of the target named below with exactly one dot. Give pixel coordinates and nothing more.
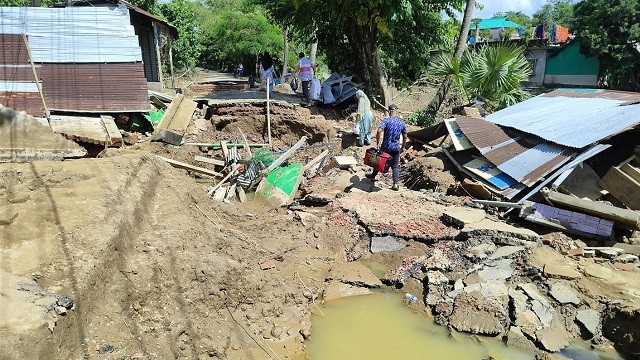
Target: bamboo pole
(269, 113)
(35, 76)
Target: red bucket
(377, 159)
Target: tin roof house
(79, 59)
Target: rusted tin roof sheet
(86, 58)
(573, 117)
(525, 158)
(95, 87)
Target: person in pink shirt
(305, 70)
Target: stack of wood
(623, 182)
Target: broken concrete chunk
(564, 294)
(607, 252)
(386, 243)
(626, 258)
(495, 229)
(435, 278)
(478, 315)
(554, 338)
(497, 271)
(516, 339)
(481, 251)
(354, 273)
(506, 251)
(628, 248)
(589, 319)
(461, 216)
(561, 271)
(337, 290)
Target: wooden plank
(225, 150)
(168, 115)
(621, 217)
(623, 187)
(632, 171)
(315, 160)
(209, 160)
(218, 185)
(113, 132)
(241, 195)
(182, 165)
(182, 117)
(289, 153)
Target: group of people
(305, 71)
(391, 135)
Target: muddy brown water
(382, 326)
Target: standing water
(379, 326)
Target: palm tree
(490, 73)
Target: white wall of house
(538, 58)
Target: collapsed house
(541, 143)
(79, 60)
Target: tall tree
(554, 12)
(433, 107)
(610, 31)
(355, 30)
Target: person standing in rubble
(305, 70)
(267, 71)
(364, 118)
(390, 131)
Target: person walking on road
(305, 70)
(390, 131)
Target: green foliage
(149, 5)
(610, 31)
(183, 15)
(492, 73)
(43, 3)
(519, 18)
(352, 32)
(554, 12)
(234, 36)
(421, 118)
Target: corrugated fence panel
(95, 87)
(25, 101)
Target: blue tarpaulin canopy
(495, 23)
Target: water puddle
(381, 326)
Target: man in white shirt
(305, 70)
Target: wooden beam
(268, 113)
(209, 160)
(156, 38)
(173, 78)
(622, 217)
(286, 155)
(35, 76)
(182, 165)
(623, 187)
(315, 160)
(225, 150)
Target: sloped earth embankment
(152, 269)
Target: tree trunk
(285, 56)
(434, 105)
(356, 42)
(378, 74)
(314, 48)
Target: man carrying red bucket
(387, 154)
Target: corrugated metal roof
(75, 34)
(523, 157)
(574, 118)
(95, 87)
(88, 59)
